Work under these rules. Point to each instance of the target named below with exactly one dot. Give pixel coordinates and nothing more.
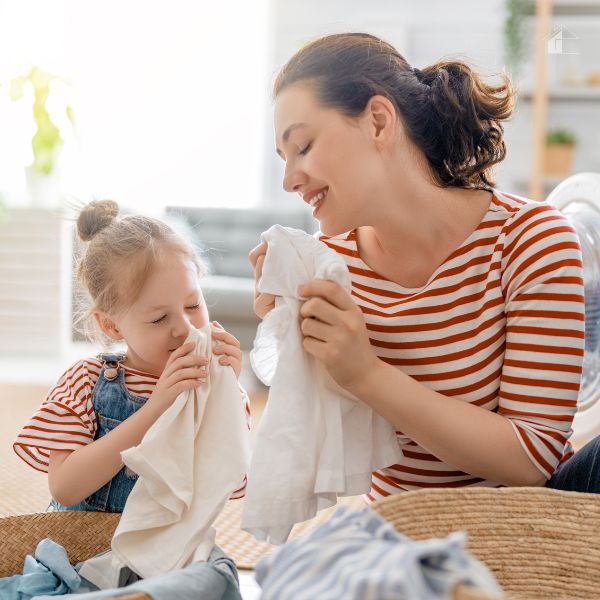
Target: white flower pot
(43, 190)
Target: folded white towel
(189, 463)
(315, 441)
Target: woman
(466, 318)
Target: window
(170, 99)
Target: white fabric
(315, 441)
(189, 462)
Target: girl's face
(330, 159)
(159, 321)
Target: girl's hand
(334, 332)
(263, 303)
(184, 371)
(228, 346)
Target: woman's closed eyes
(305, 149)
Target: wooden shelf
(576, 7)
(566, 94)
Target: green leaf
(561, 136)
(47, 142)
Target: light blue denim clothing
(357, 555)
(49, 573)
(113, 403)
(215, 579)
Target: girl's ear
(107, 325)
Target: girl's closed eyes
(162, 319)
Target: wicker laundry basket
(82, 534)
(539, 543)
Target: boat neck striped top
(499, 324)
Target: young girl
(143, 282)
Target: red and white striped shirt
(66, 419)
(500, 324)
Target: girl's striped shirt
(499, 324)
(66, 419)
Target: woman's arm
(470, 438)
(74, 475)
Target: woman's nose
(293, 178)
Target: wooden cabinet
(35, 281)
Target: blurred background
(163, 105)
(166, 108)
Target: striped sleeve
(542, 282)
(64, 421)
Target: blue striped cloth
(357, 554)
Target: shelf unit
(35, 281)
(542, 94)
(566, 93)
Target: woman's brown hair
(448, 111)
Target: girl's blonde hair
(120, 255)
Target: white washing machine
(578, 198)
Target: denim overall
(112, 405)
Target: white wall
(426, 31)
(169, 97)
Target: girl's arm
(74, 475)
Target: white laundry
(315, 441)
(189, 462)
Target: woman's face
(330, 160)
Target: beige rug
(244, 549)
(22, 489)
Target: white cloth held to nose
(315, 441)
(189, 462)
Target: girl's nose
(181, 327)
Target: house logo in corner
(562, 41)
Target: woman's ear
(108, 326)
(382, 121)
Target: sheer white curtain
(169, 97)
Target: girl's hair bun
(94, 217)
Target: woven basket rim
(488, 492)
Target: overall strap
(111, 362)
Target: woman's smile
(315, 198)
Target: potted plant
(560, 151)
(515, 32)
(42, 175)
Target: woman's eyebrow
(286, 133)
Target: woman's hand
(334, 332)
(263, 303)
(184, 371)
(228, 346)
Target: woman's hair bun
(94, 217)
